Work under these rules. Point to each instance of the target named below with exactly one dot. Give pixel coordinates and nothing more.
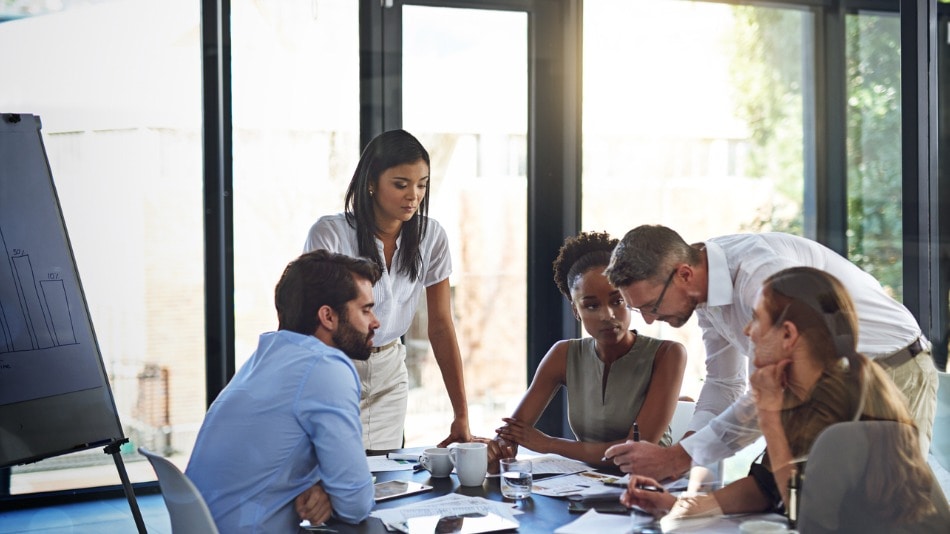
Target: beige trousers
(917, 380)
(384, 397)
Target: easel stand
(113, 449)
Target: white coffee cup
(436, 461)
(471, 462)
(759, 526)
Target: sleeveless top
(597, 418)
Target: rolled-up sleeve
(726, 434)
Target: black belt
(904, 355)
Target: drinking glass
(516, 478)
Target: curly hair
(580, 254)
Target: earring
(370, 192)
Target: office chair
(833, 495)
(940, 445)
(681, 416)
(186, 507)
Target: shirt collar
(719, 283)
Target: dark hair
(387, 150)
(578, 255)
(315, 279)
(647, 252)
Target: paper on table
(672, 486)
(548, 464)
(586, 483)
(591, 521)
(379, 464)
(451, 504)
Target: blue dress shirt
(288, 419)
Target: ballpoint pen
(636, 438)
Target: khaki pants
(917, 380)
(384, 397)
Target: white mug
(471, 462)
(436, 461)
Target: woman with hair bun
(615, 379)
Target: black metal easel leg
(113, 449)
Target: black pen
(636, 437)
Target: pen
(636, 437)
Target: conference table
(541, 514)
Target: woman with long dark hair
(385, 219)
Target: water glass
(516, 478)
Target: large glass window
(465, 97)
(875, 237)
(693, 120)
(295, 87)
(117, 86)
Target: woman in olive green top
(614, 378)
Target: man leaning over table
(667, 279)
(283, 441)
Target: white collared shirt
(737, 266)
(395, 295)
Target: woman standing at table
(808, 377)
(616, 379)
(385, 219)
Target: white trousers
(384, 397)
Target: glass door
(465, 96)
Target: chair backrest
(186, 506)
(940, 445)
(681, 416)
(834, 489)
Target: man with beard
(283, 441)
(666, 279)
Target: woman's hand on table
(498, 448)
(458, 433)
(515, 431)
(647, 494)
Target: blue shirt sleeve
(328, 409)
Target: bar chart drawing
(34, 311)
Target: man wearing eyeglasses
(666, 279)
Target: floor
(96, 517)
